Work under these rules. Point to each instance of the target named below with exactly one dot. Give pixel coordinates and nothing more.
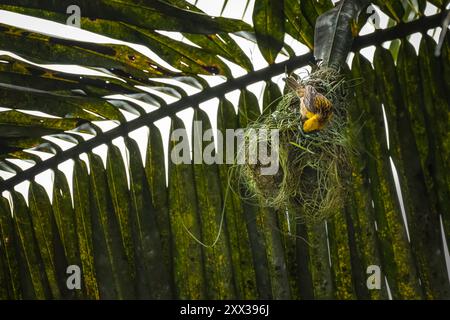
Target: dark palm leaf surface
(127, 228)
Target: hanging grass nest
(313, 166)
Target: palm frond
(136, 235)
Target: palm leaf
(134, 236)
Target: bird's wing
(309, 98)
(322, 105)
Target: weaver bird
(315, 108)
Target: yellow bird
(315, 108)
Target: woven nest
(313, 167)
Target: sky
(234, 9)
